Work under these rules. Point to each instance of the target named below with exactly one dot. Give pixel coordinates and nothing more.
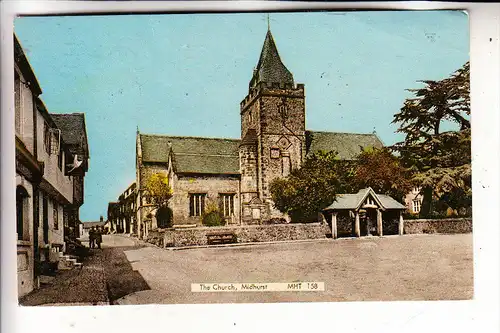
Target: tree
(158, 190)
(439, 159)
(383, 172)
(311, 188)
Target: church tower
(272, 132)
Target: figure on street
(98, 237)
(92, 237)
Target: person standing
(92, 234)
(98, 237)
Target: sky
(185, 74)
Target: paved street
(413, 267)
(410, 267)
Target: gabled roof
(220, 156)
(347, 145)
(354, 201)
(73, 130)
(390, 203)
(192, 154)
(270, 69)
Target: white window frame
(416, 205)
(196, 204)
(227, 204)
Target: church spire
(270, 69)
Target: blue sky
(186, 74)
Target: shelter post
(401, 223)
(379, 223)
(357, 232)
(334, 225)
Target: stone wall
(245, 234)
(441, 226)
(212, 186)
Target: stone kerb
(246, 234)
(438, 226)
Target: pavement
(79, 286)
(90, 284)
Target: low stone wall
(156, 237)
(245, 234)
(438, 226)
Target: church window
(283, 112)
(196, 204)
(227, 204)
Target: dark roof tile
(72, 126)
(347, 145)
(270, 68)
(193, 154)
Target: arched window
(21, 213)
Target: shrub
(212, 217)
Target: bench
(221, 238)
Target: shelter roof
(355, 200)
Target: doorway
(368, 222)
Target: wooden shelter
(366, 202)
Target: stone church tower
(272, 132)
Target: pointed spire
(270, 69)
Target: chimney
(101, 219)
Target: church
(236, 173)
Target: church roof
(192, 154)
(270, 69)
(220, 156)
(347, 145)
